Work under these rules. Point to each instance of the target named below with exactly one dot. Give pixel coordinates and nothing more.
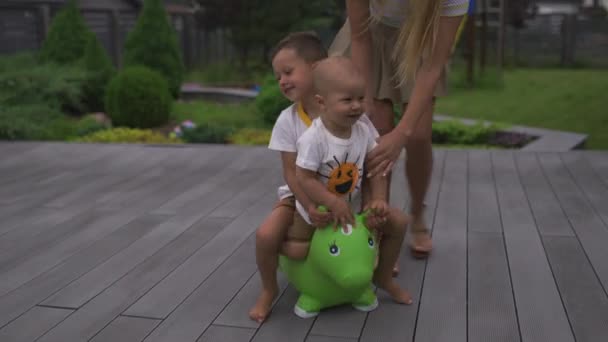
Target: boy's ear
(320, 101)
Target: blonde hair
(417, 37)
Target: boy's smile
(293, 74)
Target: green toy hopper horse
(338, 270)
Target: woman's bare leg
(418, 170)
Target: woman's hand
(382, 158)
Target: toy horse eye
(334, 250)
(370, 242)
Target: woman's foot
(263, 305)
(421, 244)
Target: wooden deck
(141, 243)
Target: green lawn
(570, 100)
(230, 115)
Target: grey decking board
(541, 315)
(316, 338)
(36, 290)
(344, 321)
(583, 296)
(218, 333)
(589, 227)
(483, 213)
(101, 310)
(283, 324)
(236, 313)
(107, 224)
(442, 312)
(548, 214)
(230, 169)
(126, 329)
(82, 290)
(410, 277)
(165, 296)
(491, 306)
(133, 166)
(33, 324)
(31, 240)
(198, 311)
(591, 185)
(599, 163)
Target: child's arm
(289, 173)
(318, 193)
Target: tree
(67, 37)
(153, 43)
(100, 69)
(259, 24)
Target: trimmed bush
(138, 97)
(128, 135)
(54, 85)
(207, 133)
(34, 122)
(67, 37)
(250, 136)
(88, 125)
(153, 43)
(100, 70)
(270, 101)
(456, 132)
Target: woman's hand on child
(382, 158)
(341, 213)
(378, 214)
(319, 219)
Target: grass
(569, 100)
(229, 115)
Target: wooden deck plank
(541, 315)
(410, 278)
(583, 296)
(197, 312)
(229, 169)
(165, 296)
(314, 338)
(589, 227)
(36, 290)
(126, 329)
(88, 286)
(578, 284)
(218, 333)
(442, 313)
(588, 181)
(599, 163)
(491, 313)
(548, 213)
(105, 225)
(483, 213)
(104, 308)
(491, 307)
(33, 324)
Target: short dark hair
(306, 44)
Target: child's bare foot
(263, 305)
(396, 270)
(398, 294)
